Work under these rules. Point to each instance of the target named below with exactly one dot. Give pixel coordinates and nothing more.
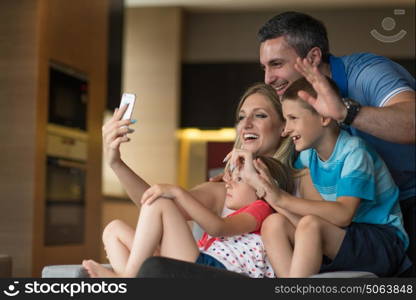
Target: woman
(259, 125)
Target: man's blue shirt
(372, 81)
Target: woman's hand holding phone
(115, 132)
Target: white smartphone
(128, 99)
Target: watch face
(349, 103)
(353, 108)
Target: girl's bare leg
(277, 233)
(118, 240)
(160, 222)
(314, 237)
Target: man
(378, 95)
(378, 104)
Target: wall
(74, 34)
(153, 47)
(151, 70)
(32, 33)
(227, 37)
(19, 42)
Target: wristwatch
(353, 108)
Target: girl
(231, 243)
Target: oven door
(65, 202)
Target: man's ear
(314, 56)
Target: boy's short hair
(302, 84)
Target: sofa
(187, 270)
(182, 270)
(160, 267)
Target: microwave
(68, 97)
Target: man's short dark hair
(301, 32)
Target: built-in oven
(65, 185)
(65, 201)
(66, 149)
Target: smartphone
(128, 99)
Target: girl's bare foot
(96, 270)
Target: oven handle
(71, 164)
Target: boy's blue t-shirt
(355, 170)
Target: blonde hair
(286, 152)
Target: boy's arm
(307, 191)
(292, 217)
(209, 221)
(340, 212)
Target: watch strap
(353, 108)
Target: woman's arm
(211, 195)
(115, 133)
(207, 219)
(132, 183)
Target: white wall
(154, 50)
(151, 70)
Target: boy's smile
(302, 125)
(295, 138)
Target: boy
(358, 225)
